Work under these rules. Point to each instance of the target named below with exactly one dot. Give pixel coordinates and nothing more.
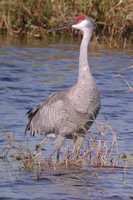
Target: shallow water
(27, 76)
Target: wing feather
(43, 118)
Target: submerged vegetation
(31, 18)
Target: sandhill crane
(70, 113)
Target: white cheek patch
(82, 24)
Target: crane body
(70, 113)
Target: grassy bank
(31, 18)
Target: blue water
(27, 76)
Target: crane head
(81, 22)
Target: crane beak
(66, 26)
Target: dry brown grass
(32, 18)
(100, 150)
(97, 151)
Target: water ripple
(29, 75)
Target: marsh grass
(99, 150)
(114, 19)
(120, 74)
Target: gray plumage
(73, 110)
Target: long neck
(84, 69)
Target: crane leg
(77, 144)
(58, 143)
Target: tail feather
(27, 128)
(31, 113)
